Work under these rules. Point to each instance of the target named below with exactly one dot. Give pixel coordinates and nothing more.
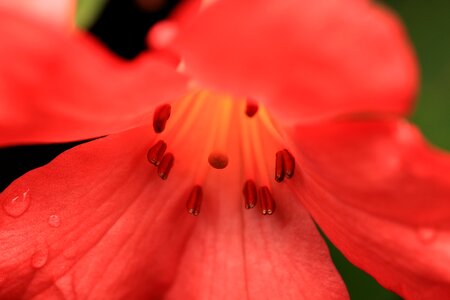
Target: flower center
(216, 132)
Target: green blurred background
(428, 25)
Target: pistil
(218, 160)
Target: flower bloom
(291, 111)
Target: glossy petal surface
(304, 59)
(381, 194)
(55, 87)
(123, 232)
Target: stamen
(218, 160)
(156, 152)
(289, 163)
(267, 201)
(194, 201)
(284, 165)
(165, 166)
(251, 109)
(279, 166)
(250, 194)
(160, 117)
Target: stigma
(218, 160)
(208, 139)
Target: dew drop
(54, 221)
(18, 205)
(426, 234)
(39, 258)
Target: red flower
(98, 222)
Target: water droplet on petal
(54, 221)
(16, 206)
(426, 234)
(39, 258)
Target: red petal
(162, 34)
(124, 233)
(304, 59)
(59, 88)
(57, 12)
(235, 253)
(117, 235)
(382, 196)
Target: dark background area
(122, 27)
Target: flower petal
(122, 232)
(304, 59)
(56, 87)
(57, 12)
(382, 196)
(235, 253)
(99, 213)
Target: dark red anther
(251, 108)
(289, 163)
(162, 114)
(194, 201)
(250, 194)
(156, 152)
(165, 166)
(279, 166)
(267, 201)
